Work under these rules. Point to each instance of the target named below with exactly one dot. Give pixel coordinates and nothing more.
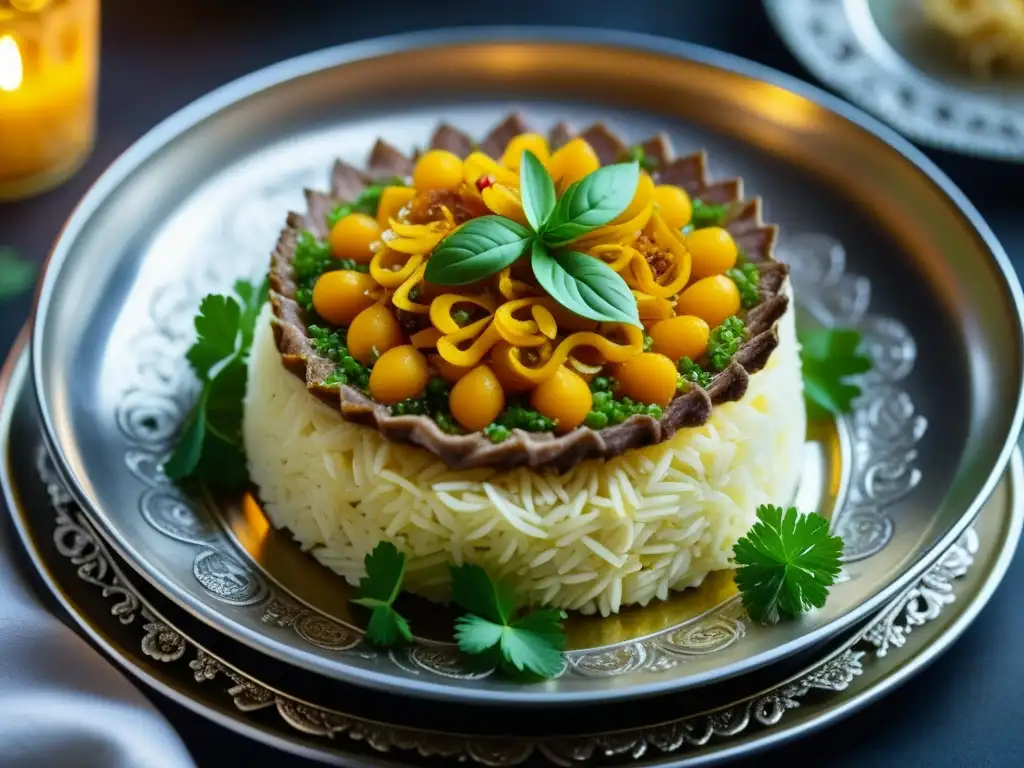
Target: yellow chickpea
(513, 154)
(374, 331)
(674, 205)
(400, 373)
(712, 251)
(476, 399)
(681, 336)
(511, 382)
(712, 299)
(340, 295)
(565, 397)
(437, 169)
(648, 378)
(571, 162)
(392, 200)
(352, 237)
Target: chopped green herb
(496, 433)
(378, 590)
(707, 214)
(312, 259)
(828, 356)
(209, 447)
(517, 416)
(692, 373)
(746, 276)
(636, 154)
(16, 274)
(433, 403)
(494, 628)
(462, 317)
(368, 201)
(348, 370)
(608, 410)
(648, 343)
(787, 562)
(724, 341)
(602, 384)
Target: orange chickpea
(476, 399)
(674, 205)
(513, 154)
(565, 397)
(571, 162)
(648, 378)
(712, 299)
(400, 373)
(511, 381)
(392, 200)
(447, 371)
(352, 237)
(681, 336)
(375, 330)
(712, 251)
(437, 169)
(340, 295)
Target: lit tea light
(48, 68)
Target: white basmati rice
(601, 536)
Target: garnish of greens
(209, 448)
(828, 356)
(16, 274)
(724, 341)
(746, 276)
(636, 154)
(609, 410)
(707, 214)
(348, 370)
(787, 563)
(378, 590)
(496, 629)
(367, 201)
(312, 259)
(583, 284)
(517, 416)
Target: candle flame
(11, 69)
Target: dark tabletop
(159, 55)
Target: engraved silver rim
(166, 132)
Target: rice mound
(604, 535)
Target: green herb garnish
(312, 259)
(516, 416)
(378, 590)
(707, 214)
(636, 154)
(724, 341)
(494, 628)
(209, 447)
(608, 410)
(691, 372)
(332, 345)
(367, 201)
(16, 274)
(746, 276)
(583, 284)
(433, 403)
(828, 356)
(787, 562)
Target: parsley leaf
(529, 643)
(378, 590)
(828, 355)
(209, 446)
(16, 274)
(787, 562)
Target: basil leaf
(584, 285)
(478, 249)
(537, 190)
(592, 202)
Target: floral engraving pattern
(164, 643)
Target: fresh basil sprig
(583, 284)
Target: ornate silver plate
(165, 648)
(882, 55)
(199, 202)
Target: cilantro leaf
(787, 562)
(828, 355)
(16, 274)
(217, 333)
(378, 590)
(529, 644)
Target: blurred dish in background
(946, 73)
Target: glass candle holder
(49, 60)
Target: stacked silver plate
(921, 480)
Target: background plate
(199, 202)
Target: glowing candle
(48, 68)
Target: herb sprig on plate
(828, 357)
(583, 284)
(16, 274)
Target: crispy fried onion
(631, 264)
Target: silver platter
(882, 55)
(198, 203)
(167, 650)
